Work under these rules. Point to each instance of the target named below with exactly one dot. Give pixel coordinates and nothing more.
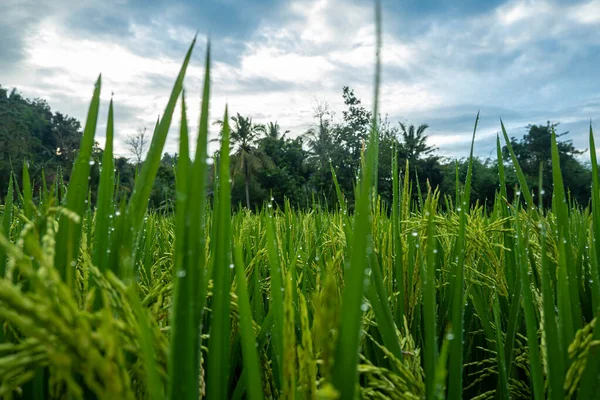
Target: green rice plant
(346, 358)
(5, 224)
(401, 300)
(429, 307)
(591, 375)
(457, 288)
(218, 345)
(183, 383)
(249, 344)
(105, 206)
(69, 232)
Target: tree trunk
(248, 192)
(247, 179)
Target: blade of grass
(27, 192)
(552, 330)
(513, 277)
(595, 268)
(347, 348)
(531, 324)
(105, 206)
(455, 386)
(69, 231)
(276, 303)
(430, 348)
(183, 382)
(196, 215)
(378, 297)
(397, 241)
(591, 375)
(154, 389)
(249, 343)
(138, 203)
(569, 309)
(7, 217)
(218, 344)
(502, 391)
(520, 175)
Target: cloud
(525, 61)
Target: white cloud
(499, 60)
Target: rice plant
(402, 301)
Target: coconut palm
(414, 142)
(272, 130)
(246, 158)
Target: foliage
(288, 303)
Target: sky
(525, 61)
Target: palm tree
(414, 142)
(319, 137)
(272, 130)
(245, 157)
(320, 142)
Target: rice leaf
(218, 344)
(346, 354)
(69, 231)
(455, 386)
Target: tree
(29, 131)
(319, 139)
(414, 142)
(137, 144)
(287, 176)
(245, 158)
(534, 149)
(271, 130)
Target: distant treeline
(269, 164)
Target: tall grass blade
(569, 309)
(502, 388)
(69, 231)
(347, 348)
(455, 386)
(277, 300)
(398, 286)
(154, 388)
(591, 375)
(105, 206)
(138, 203)
(27, 192)
(218, 345)
(430, 348)
(5, 225)
(520, 175)
(249, 343)
(183, 374)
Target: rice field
(408, 300)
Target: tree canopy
(272, 164)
